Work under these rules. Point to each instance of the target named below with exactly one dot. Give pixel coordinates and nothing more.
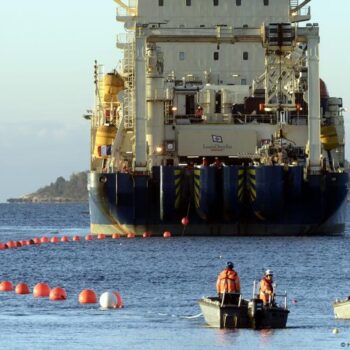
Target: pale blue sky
(47, 49)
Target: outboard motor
(255, 312)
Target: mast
(314, 129)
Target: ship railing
(301, 15)
(298, 13)
(256, 118)
(125, 40)
(127, 11)
(238, 119)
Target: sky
(47, 53)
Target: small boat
(236, 312)
(342, 309)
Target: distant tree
(75, 189)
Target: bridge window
(188, 3)
(181, 56)
(243, 81)
(160, 2)
(266, 2)
(216, 2)
(216, 56)
(245, 56)
(238, 2)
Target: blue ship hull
(233, 200)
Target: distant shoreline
(73, 190)
(44, 200)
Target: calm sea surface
(160, 281)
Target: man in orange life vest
(266, 288)
(228, 283)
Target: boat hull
(342, 309)
(234, 316)
(219, 202)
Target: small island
(60, 191)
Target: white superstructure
(214, 78)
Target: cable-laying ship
(217, 117)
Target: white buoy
(108, 300)
(335, 330)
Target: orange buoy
(6, 286)
(44, 239)
(131, 235)
(119, 304)
(22, 288)
(23, 242)
(41, 290)
(36, 240)
(115, 236)
(101, 236)
(2, 246)
(89, 237)
(65, 239)
(146, 235)
(18, 244)
(30, 241)
(185, 221)
(11, 244)
(58, 294)
(87, 296)
(76, 238)
(167, 234)
(54, 239)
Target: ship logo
(217, 138)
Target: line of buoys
(89, 237)
(110, 299)
(6, 286)
(87, 296)
(57, 293)
(22, 288)
(41, 290)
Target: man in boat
(228, 284)
(266, 293)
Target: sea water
(160, 281)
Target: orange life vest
(228, 282)
(266, 290)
